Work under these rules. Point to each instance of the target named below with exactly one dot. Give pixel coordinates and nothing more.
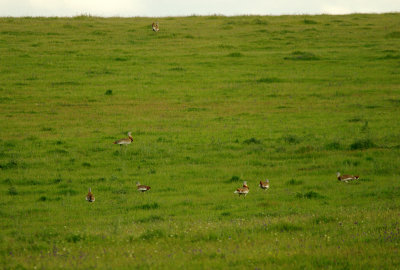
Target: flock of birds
(265, 184)
(244, 190)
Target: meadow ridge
(211, 102)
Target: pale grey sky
(162, 8)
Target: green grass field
(211, 102)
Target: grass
(211, 102)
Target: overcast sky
(162, 8)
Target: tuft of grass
(47, 129)
(323, 220)
(355, 119)
(291, 139)
(285, 227)
(391, 56)
(235, 54)
(9, 165)
(57, 180)
(394, 101)
(260, 21)
(305, 149)
(394, 34)
(269, 80)
(302, 56)
(294, 182)
(177, 69)
(12, 191)
(310, 195)
(121, 59)
(149, 206)
(8, 181)
(42, 198)
(152, 234)
(196, 109)
(65, 83)
(348, 162)
(252, 141)
(59, 151)
(109, 92)
(119, 191)
(335, 145)
(308, 21)
(68, 192)
(75, 238)
(362, 144)
(151, 219)
(234, 179)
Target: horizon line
(201, 15)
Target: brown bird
(264, 185)
(90, 196)
(142, 188)
(243, 190)
(346, 177)
(155, 27)
(125, 140)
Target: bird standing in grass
(125, 141)
(243, 190)
(90, 196)
(346, 177)
(155, 27)
(264, 184)
(142, 188)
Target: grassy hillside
(211, 102)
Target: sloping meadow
(211, 102)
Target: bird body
(243, 190)
(264, 184)
(346, 177)
(142, 188)
(90, 196)
(155, 27)
(125, 140)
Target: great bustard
(125, 140)
(346, 177)
(264, 184)
(155, 27)
(142, 188)
(243, 190)
(90, 196)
